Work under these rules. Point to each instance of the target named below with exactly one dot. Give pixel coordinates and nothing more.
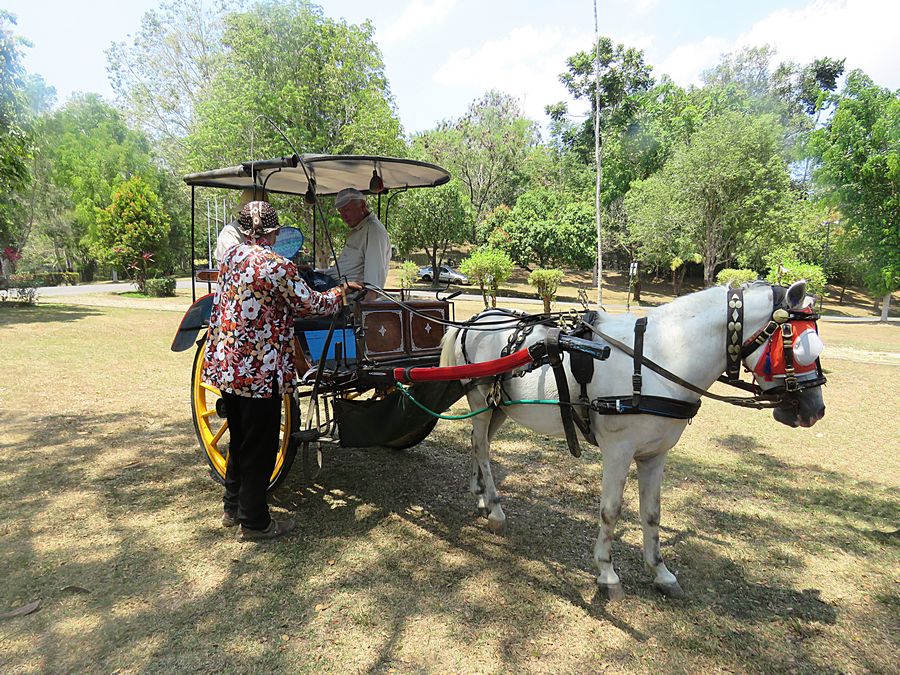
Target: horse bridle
(780, 321)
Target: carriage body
(337, 400)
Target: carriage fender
(195, 319)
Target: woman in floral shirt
(250, 358)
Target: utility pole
(599, 159)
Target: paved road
(124, 286)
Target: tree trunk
(484, 296)
(843, 290)
(547, 307)
(885, 307)
(636, 288)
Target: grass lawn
(786, 540)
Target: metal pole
(599, 159)
(193, 289)
(825, 261)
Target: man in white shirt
(367, 252)
(230, 235)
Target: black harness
(638, 403)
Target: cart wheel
(212, 428)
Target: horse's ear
(796, 294)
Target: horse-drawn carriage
(381, 373)
(337, 400)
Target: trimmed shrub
(547, 283)
(163, 287)
(488, 267)
(44, 279)
(736, 278)
(409, 272)
(793, 270)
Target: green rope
(534, 401)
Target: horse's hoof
(497, 526)
(672, 590)
(614, 592)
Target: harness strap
(582, 366)
(650, 405)
(787, 343)
(640, 327)
(734, 334)
(554, 356)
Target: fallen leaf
(322, 606)
(285, 638)
(30, 608)
(331, 562)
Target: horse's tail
(448, 347)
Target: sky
(440, 55)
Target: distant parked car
(447, 275)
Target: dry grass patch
(785, 540)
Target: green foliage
(547, 283)
(431, 220)
(320, 79)
(15, 137)
(133, 230)
(727, 187)
(488, 267)
(859, 173)
(735, 277)
(486, 150)
(45, 279)
(409, 272)
(160, 287)
(789, 271)
(546, 229)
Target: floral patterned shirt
(250, 342)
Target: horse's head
(785, 366)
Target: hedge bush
(162, 287)
(44, 279)
(736, 278)
(409, 272)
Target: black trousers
(254, 424)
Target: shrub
(489, 268)
(44, 279)
(409, 272)
(547, 283)
(163, 287)
(736, 278)
(790, 271)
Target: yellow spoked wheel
(212, 427)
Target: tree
(133, 230)
(724, 189)
(322, 81)
(859, 173)
(486, 150)
(488, 267)
(15, 140)
(546, 229)
(431, 220)
(166, 69)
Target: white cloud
(417, 15)
(526, 64)
(866, 32)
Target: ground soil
(785, 540)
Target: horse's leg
(650, 473)
(484, 427)
(616, 461)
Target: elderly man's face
(353, 212)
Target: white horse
(688, 338)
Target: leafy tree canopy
(859, 173)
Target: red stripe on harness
(470, 371)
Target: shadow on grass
(400, 530)
(44, 313)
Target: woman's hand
(352, 290)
